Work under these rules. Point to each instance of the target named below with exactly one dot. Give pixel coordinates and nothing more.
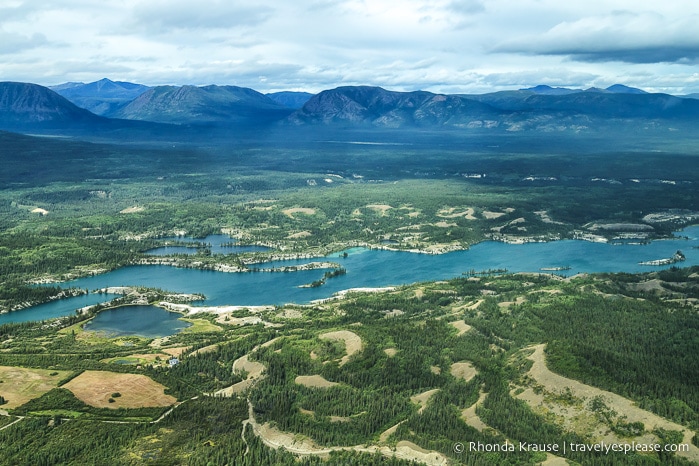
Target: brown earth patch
(380, 208)
(298, 210)
(300, 234)
(388, 432)
(353, 343)
(132, 210)
(176, 351)
(253, 368)
(235, 389)
(95, 388)
(290, 314)
(517, 301)
(464, 370)
(390, 352)
(206, 349)
(421, 399)
(461, 326)
(471, 418)
(451, 212)
(491, 215)
(317, 381)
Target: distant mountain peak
(290, 99)
(622, 89)
(101, 97)
(548, 90)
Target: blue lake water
(218, 244)
(145, 321)
(379, 268)
(57, 308)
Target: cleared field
(138, 358)
(380, 208)
(461, 326)
(176, 351)
(253, 368)
(317, 381)
(471, 418)
(464, 370)
(20, 385)
(298, 210)
(353, 342)
(132, 210)
(421, 399)
(453, 212)
(491, 215)
(95, 388)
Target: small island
(678, 256)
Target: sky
(447, 46)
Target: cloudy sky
(440, 45)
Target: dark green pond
(144, 321)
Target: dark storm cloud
(622, 36)
(686, 55)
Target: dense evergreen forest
(592, 327)
(381, 378)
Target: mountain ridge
(534, 109)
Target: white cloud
(164, 16)
(11, 43)
(437, 45)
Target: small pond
(143, 321)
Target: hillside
(191, 104)
(22, 104)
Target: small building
(173, 362)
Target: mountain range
(540, 108)
(100, 97)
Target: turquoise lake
(217, 244)
(379, 268)
(53, 309)
(144, 321)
